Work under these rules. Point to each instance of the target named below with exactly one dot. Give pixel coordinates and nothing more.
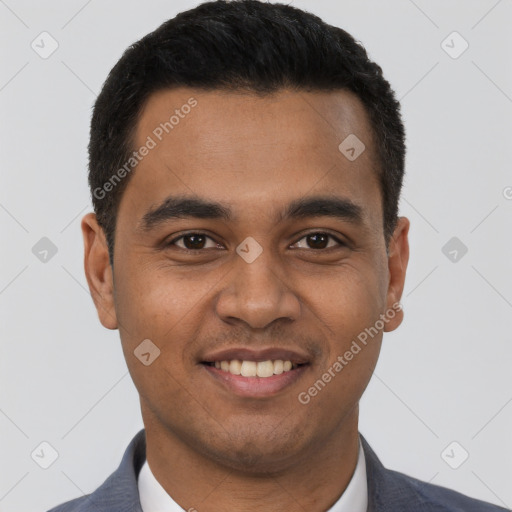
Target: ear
(397, 264)
(98, 270)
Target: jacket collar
(380, 486)
(120, 491)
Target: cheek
(152, 302)
(165, 312)
(350, 300)
(151, 308)
(349, 307)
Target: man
(246, 162)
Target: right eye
(192, 242)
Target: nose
(257, 293)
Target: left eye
(319, 240)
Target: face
(278, 255)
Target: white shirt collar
(154, 498)
(355, 496)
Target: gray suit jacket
(388, 491)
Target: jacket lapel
(120, 492)
(385, 494)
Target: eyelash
(196, 251)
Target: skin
(210, 449)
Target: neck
(312, 481)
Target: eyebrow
(179, 207)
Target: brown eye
(319, 240)
(192, 241)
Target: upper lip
(247, 354)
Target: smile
(262, 369)
(251, 379)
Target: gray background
(443, 376)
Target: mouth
(253, 374)
(261, 369)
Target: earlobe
(98, 270)
(397, 265)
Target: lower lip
(256, 386)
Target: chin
(257, 452)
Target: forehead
(253, 152)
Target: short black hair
(239, 45)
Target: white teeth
(235, 367)
(248, 369)
(265, 369)
(255, 369)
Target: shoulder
(119, 492)
(76, 505)
(392, 491)
(429, 497)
